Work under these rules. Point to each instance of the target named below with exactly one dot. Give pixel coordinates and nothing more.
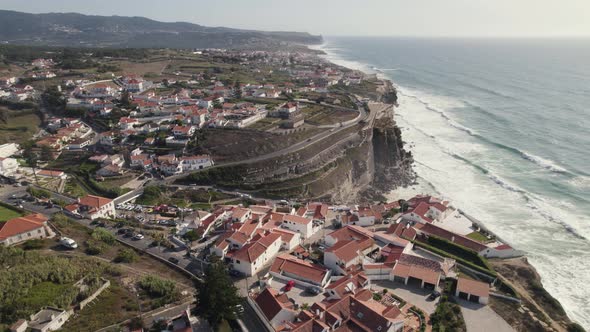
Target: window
(359, 315)
(38, 231)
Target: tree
(192, 236)
(46, 153)
(54, 100)
(31, 159)
(217, 295)
(403, 205)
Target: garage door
(474, 298)
(429, 286)
(399, 279)
(463, 295)
(415, 282)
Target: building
(48, 319)
(501, 251)
(8, 166)
(289, 267)
(253, 256)
(193, 163)
(473, 290)
(417, 271)
(345, 255)
(8, 149)
(276, 308)
(21, 229)
(93, 207)
(304, 226)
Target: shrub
(94, 248)
(158, 288)
(33, 244)
(126, 256)
(377, 297)
(103, 235)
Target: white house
(255, 255)
(193, 163)
(21, 229)
(93, 207)
(298, 224)
(343, 255)
(501, 251)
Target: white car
(68, 243)
(138, 237)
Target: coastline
(527, 280)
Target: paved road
(481, 318)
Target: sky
(425, 18)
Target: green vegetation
(161, 291)
(103, 235)
(34, 244)
(126, 256)
(477, 236)
(19, 127)
(39, 193)
(575, 327)
(462, 254)
(217, 294)
(422, 316)
(30, 281)
(447, 317)
(152, 195)
(8, 212)
(116, 305)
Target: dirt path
(518, 285)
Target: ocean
(502, 129)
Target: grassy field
(19, 129)
(115, 304)
(265, 124)
(7, 214)
(320, 115)
(477, 236)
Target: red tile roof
(94, 201)
(21, 225)
(291, 266)
(473, 287)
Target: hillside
(72, 29)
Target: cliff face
(393, 164)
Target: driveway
(481, 318)
(414, 295)
(297, 293)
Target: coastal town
(158, 168)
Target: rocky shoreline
(538, 310)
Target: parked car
(289, 285)
(138, 236)
(173, 260)
(434, 295)
(68, 243)
(204, 239)
(313, 290)
(236, 273)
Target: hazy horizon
(378, 18)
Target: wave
(545, 163)
(540, 161)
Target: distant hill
(72, 29)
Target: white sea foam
(545, 163)
(452, 160)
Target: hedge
(488, 271)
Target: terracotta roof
(94, 201)
(406, 270)
(21, 225)
(253, 250)
(343, 285)
(473, 287)
(351, 232)
(346, 250)
(271, 303)
(297, 219)
(291, 266)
